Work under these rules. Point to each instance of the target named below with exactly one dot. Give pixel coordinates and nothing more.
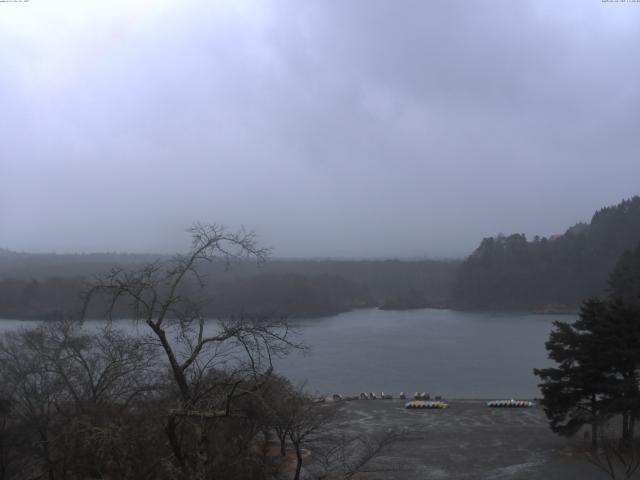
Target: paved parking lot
(468, 441)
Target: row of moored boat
(510, 404)
(419, 404)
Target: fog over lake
(444, 352)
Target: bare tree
(278, 402)
(347, 456)
(170, 299)
(10, 439)
(310, 427)
(67, 387)
(309, 423)
(615, 457)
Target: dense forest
(548, 274)
(47, 286)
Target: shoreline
(497, 311)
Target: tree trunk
(283, 446)
(299, 463)
(594, 421)
(170, 431)
(45, 445)
(625, 429)
(178, 372)
(202, 452)
(266, 433)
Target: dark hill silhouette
(548, 274)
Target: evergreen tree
(624, 281)
(619, 337)
(598, 358)
(576, 391)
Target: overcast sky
(331, 128)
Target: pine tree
(598, 359)
(576, 392)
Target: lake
(444, 352)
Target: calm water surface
(444, 352)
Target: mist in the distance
(340, 129)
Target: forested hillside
(548, 274)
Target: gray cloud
(360, 128)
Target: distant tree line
(548, 274)
(281, 295)
(47, 286)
